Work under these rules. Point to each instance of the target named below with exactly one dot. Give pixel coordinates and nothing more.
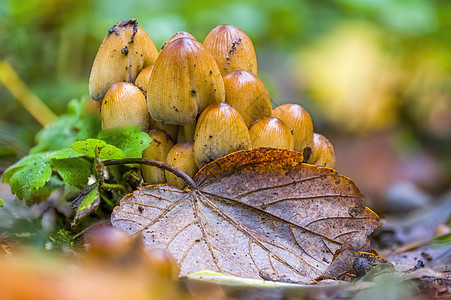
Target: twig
(24, 95)
(409, 247)
(155, 163)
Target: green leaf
(64, 154)
(74, 171)
(29, 174)
(38, 157)
(97, 148)
(223, 279)
(27, 180)
(443, 240)
(30, 159)
(90, 201)
(73, 126)
(1, 203)
(129, 139)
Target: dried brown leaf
(253, 213)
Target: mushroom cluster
(197, 101)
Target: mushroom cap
(232, 49)
(323, 153)
(184, 81)
(220, 130)
(158, 150)
(124, 52)
(271, 132)
(181, 156)
(248, 95)
(299, 120)
(143, 78)
(178, 35)
(124, 104)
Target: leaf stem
(155, 163)
(107, 201)
(111, 186)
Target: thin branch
(154, 163)
(24, 95)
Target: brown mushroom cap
(299, 120)
(248, 95)
(142, 81)
(158, 150)
(271, 132)
(124, 52)
(323, 152)
(232, 49)
(220, 130)
(124, 104)
(181, 156)
(143, 78)
(178, 35)
(184, 81)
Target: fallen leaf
(254, 213)
(87, 201)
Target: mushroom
(181, 156)
(124, 104)
(299, 120)
(271, 132)
(124, 52)
(220, 130)
(232, 49)
(142, 81)
(158, 150)
(184, 81)
(178, 35)
(248, 95)
(162, 263)
(143, 78)
(323, 152)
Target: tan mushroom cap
(124, 104)
(232, 49)
(271, 132)
(158, 149)
(181, 156)
(248, 95)
(124, 52)
(298, 120)
(184, 81)
(220, 130)
(178, 35)
(323, 152)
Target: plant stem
(111, 186)
(107, 201)
(24, 95)
(155, 163)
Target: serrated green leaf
(129, 139)
(27, 160)
(97, 148)
(74, 171)
(30, 178)
(89, 204)
(38, 158)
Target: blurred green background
(374, 74)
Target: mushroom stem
(189, 132)
(155, 163)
